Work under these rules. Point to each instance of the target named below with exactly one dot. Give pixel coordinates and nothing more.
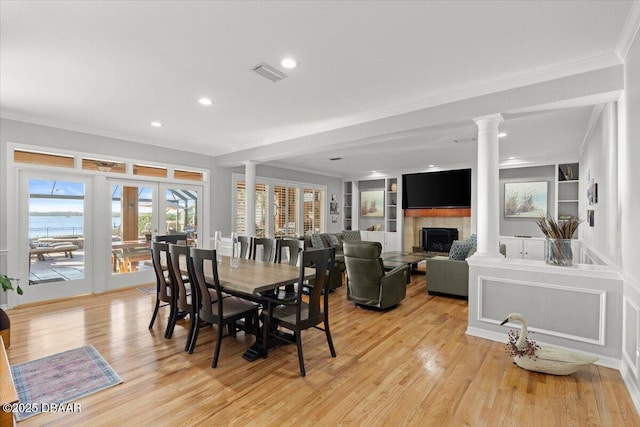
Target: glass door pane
(132, 223)
(181, 211)
(56, 231)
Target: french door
(57, 235)
(138, 212)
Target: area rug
(61, 378)
(148, 290)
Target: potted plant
(5, 323)
(558, 239)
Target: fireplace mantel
(437, 212)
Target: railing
(37, 232)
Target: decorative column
(250, 194)
(488, 210)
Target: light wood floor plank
(413, 365)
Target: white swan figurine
(546, 360)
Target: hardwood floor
(413, 365)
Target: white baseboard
(607, 362)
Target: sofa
(448, 276)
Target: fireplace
(438, 239)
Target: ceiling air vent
(269, 72)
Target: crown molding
(629, 30)
(593, 120)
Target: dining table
(251, 279)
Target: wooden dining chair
(164, 290)
(245, 246)
(294, 247)
(268, 246)
(296, 314)
(171, 238)
(214, 308)
(179, 258)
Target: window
(313, 209)
(279, 208)
(285, 211)
(262, 209)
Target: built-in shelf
(389, 223)
(567, 190)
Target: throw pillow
(474, 239)
(459, 249)
(472, 251)
(316, 241)
(333, 240)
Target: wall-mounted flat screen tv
(443, 189)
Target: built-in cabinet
(383, 210)
(523, 247)
(388, 240)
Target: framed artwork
(525, 199)
(590, 217)
(333, 208)
(372, 203)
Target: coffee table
(395, 259)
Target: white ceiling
(110, 68)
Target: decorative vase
(394, 186)
(5, 328)
(558, 252)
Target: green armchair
(367, 283)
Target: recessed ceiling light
(335, 158)
(289, 63)
(502, 134)
(156, 124)
(205, 101)
(512, 158)
(373, 171)
(432, 166)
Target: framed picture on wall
(372, 203)
(525, 199)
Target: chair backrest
(294, 246)
(171, 238)
(161, 261)
(351, 236)
(200, 259)
(179, 257)
(245, 246)
(268, 246)
(322, 260)
(363, 262)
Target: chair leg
(214, 363)
(192, 344)
(155, 312)
(329, 340)
(300, 356)
(173, 318)
(192, 327)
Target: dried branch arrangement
(564, 230)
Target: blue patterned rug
(61, 378)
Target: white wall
(629, 207)
(526, 226)
(599, 162)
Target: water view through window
(56, 231)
